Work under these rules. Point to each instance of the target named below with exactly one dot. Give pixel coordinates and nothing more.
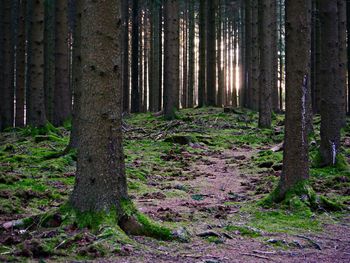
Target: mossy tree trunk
(298, 44)
(35, 96)
(171, 58)
(332, 91)
(100, 180)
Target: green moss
(244, 230)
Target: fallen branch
(316, 245)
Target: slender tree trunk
(234, 60)
(265, 92)
(171, 58)
(62, 91)
(185, 59)
(202, 54)
(348, 49)
(20, 64)
(219, 57)
(274, 50)
(35, 100)
(145, 61)
(125, 68)
(100, 180)
(342, 52)
(248, 54)
(332, 91)
(255, 57)
(135, 89)
(298, 44)
(211, 54)
(191, 54)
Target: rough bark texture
(332, 92)
(202, 55)
(7, 89)
(265, 87)
(274, 56)
(62, 109)
(35, 96)
(298, 43)
(100, 180)
(135, 89)
(255, 58)
(219, 57)
(171, 58)
(248, 54)
(20, 64)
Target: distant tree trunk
(211, 54)
(156, 58)
(247, 100)
(191, 53)
(332, 91)
(171, 58)
(20, 64)
(234, 59)
(274, 50)
(135, 89)
(62, 91)
(100, 180)
(49, 58)
(242, 56)
(35, 99)
(265, 92)
(348, 49)
(298, 44)
(145, 61)
(202, 54)
(1, 62)
(125, 66)
(219, 63)
(255, 57)
(7, 89)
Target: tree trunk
(298, 44)
(332, 92)
(219, 57)
(35, 99)
(248, 54)
(7, 87)
(125, 68)
(171, 58)
(274, 56)
(20, 64)
(202, 54)
(62, 91)
(234, 59)
(265, 92)
(255, 57)
(135, 89)
(191, 53)
(211, 54)
(100, 183)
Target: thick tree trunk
(298, 44)
(135, 89)
(7, 85)
(20, 64)
(211, 54)
(332, 92)
(265, 92)
(202, 54)
(35, 99)
(171, 58)
(62, 91)
(100, 180)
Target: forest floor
(202, 175)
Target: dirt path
(212, 180)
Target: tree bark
(100, 180)
(211, 53)
(202, 54)
(298, 43)
(191, 53)
(125, 74)
(35, 95)
(135, 89)
(171, 58)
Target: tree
(265, 81)
(332, 90)
(202, 54)
(191, 53)
(62, 99)
(171, 58)
(254, 100)
(298, 43)
(7, 85)
(100, 180)
(135, 89)
(211, 53)
(35, 95)
(125, 74)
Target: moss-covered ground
(166, 168)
